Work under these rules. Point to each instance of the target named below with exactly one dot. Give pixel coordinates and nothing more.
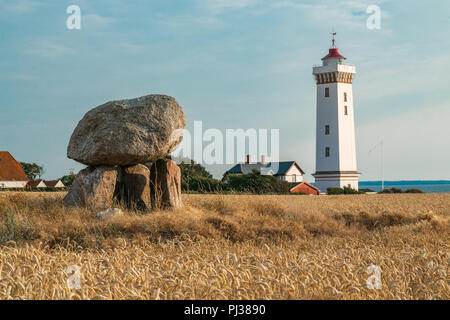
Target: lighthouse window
(345, 96)
(327, 129)
(327, 92)
(346, 110)
(327, 152)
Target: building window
(327, 152)
(327, 92)
(327, 129)
(345, 96)
(346, 110)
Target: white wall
(346, 128)
(323, 183)
(12, 184)
(294, 175)
(59, 185)
(327, 114)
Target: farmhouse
(54, 184)
(36, 184)
(288, 171)
(11, 172)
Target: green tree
(67, 180)
(190, 169)
(254, 182)
(32, 170)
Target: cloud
(19, 77)
(47, 49)
(395, 77)
(129, 47)
(95, 21)
(341, 14)
(415, 145)
(190, 21)
(21, 6)
(221, 6)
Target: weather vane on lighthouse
(333, 39)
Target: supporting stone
(93, 188)
(133, 187)
(165, 184)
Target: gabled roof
(304, 183)
(36, 184)
(52, 183)
(283, 167)
(10, 169)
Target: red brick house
(305, 188)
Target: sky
(231, 64)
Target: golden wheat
(229, 247)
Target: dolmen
(114, 141)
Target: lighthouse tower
(335, 125)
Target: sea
(428, 186)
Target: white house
(11, 172)
(288, 171)
(335, 128)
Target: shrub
(203, 185)
(335, 191)
(392, 190)
(256, 183)
(345, 190)
(414, 191)
(397, 190)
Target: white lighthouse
(335, 125)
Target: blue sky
(231, 64)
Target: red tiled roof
(33, 184)
(10, 169)
(51, 183)
(298, 187)
(333, 53)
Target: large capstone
(128, 132)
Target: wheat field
(229, 247)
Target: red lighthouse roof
(333, 53)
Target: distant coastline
(429, 186)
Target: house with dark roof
(288, 171)
(12, 174)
